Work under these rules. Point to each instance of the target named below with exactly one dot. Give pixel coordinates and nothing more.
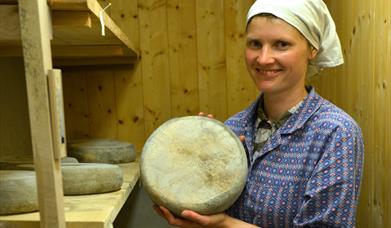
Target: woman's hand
(191, 219)
(206, 115)
(242, 138)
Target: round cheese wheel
(102, 151)
(194, 163)
(69, 160)
(18, 192)
(31, 166)
(90, 178)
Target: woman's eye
(254, 44)
(282, 44)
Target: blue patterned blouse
(308, 172)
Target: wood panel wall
(15, 138)
(192, 60)
(362, 87)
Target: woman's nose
(265, 56)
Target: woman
(304, 154)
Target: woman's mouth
(268, 72)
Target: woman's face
(276, 55)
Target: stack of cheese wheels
(102, 151)
(90, 178)
(194, 163)
(18, 192)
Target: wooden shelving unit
(76, 34)
(87, 211)
(61, 33)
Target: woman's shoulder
(331, 116)
(243, 117)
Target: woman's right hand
(242, 137)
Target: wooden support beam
(35, 30)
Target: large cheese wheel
(194, 163)
(90, 178)
(102, 151)
(18, 192)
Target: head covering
(313, 20)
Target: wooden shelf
(77, 36)
(87, 211)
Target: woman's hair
(266, 15)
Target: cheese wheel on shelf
(101, 151)
(18, 192)
(90, 178)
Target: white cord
(102, 22)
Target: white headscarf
(313, 20)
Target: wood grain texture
(169, 81)
(102, 111)
(361, 88)
(15, 138)
(130, 106)
(182, 39)
(33, 18)
(240, 87)
(76, 108)
(211, 57)
(73, 26)
(129, 82)
(155, 64)
(57, 113)
(9, 25)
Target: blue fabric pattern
(308, 173)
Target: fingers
(171, 219)
(242, 138)
(216, 220)
(195, 217)
(206, 115)
(157, 209)
(166, 213)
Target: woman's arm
(333, 188)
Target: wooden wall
(15, 138)
(192, 60)
(362, 87)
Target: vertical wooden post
(36, 32)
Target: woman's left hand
(191, 219)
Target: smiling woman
(277, 56)
(305, 155)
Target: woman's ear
(313, 53)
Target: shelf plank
(94, 7)
(68, 4)
(76, 31)
(6, 2)
(87, 211)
